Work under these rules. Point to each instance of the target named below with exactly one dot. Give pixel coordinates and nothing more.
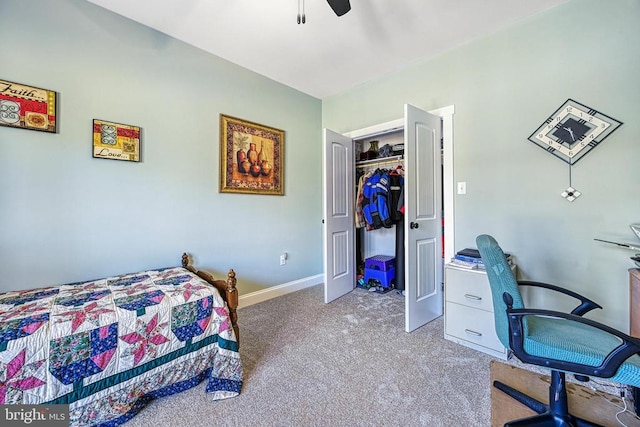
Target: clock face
(573, 130)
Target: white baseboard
(279, 290)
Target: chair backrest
(501, 280)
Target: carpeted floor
(348, 363)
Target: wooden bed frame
(226, 288)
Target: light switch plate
(462, 187)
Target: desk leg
(635, 392)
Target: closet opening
(411, 148)
(379, 207)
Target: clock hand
(570, 133)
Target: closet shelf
(379, 162)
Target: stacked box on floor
(381, 269)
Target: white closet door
(423, 227)
(338, 210)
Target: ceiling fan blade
(340, 7)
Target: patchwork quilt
(108, 346)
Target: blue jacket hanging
(383, 199)
(375, 203)
(369, 201)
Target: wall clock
(571, 132)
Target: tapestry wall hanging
(27, 107)
(251, 157)
(116, 141)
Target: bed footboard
(226, 288)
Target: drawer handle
(470, 332)
(473, 297)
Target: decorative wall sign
(116, 141)
(27, 107)
(571, 132)
(251, 157)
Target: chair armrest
(585, 306)
(607, 369)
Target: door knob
(413, 225)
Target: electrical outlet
(283, 258)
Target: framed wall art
(251, 157)
(27, 107)
(116, 141)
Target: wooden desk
(634, 299)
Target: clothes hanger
(398, 170)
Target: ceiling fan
(340, 7)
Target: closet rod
(379, 162)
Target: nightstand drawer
(473, 325)
(468, 287)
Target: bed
(107, 347)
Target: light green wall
(503, 87)
(65, 216)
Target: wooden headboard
(226, 288)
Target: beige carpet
(348, 363)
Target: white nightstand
(468, 310)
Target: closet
(421, 230)
(375, 237)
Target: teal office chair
(563, 342)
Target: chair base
(554, 414)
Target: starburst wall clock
(572, 132)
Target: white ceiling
(328, 54)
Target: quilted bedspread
(108, 346)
